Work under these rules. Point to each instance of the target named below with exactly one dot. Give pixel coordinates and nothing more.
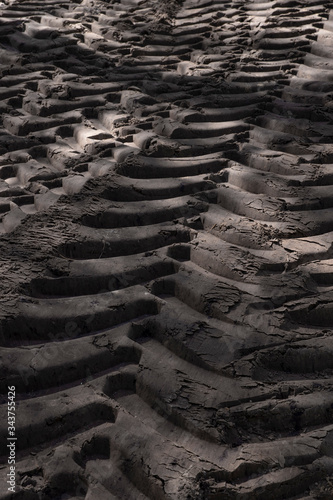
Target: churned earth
(166, 251)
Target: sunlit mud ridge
(166, 209)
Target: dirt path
(166, 249)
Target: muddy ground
(166, 256)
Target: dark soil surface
(166, 220)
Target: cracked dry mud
(166, 206)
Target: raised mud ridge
(167, 220)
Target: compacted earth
(166, 231)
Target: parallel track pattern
(166, 172)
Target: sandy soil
(166, 248)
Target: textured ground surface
(166, 252)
